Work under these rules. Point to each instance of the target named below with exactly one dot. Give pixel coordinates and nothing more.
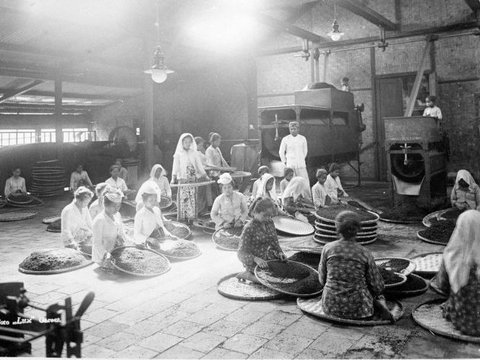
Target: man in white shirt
(432, 110)
(293, 151)
(115, 181)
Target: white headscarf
(465, 176)
(296, 187)
(262, 189)
(154, 171)
(463, 250)
(184, 156)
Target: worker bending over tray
(149, 228)
(459, 275)
(259, 241)
(76, 222)
(352, 283)
(157, 180)
(108, 231)
(297, 198)
(230, 207)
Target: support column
(252, 103)
(58, 112)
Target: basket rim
(137, 274)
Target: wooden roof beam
(290, 29)
(9, 93)
(368, 14)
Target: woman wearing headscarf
(465, 193)
(97, 206)
(76, 223)
(157, 180)
(350, 278)
(297, 195)
(108, 231)
(259, 240)
(187, 168)
(148, 224)
(230, 207)
(459, 275)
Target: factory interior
(233, 179)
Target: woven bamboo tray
(429, 316)
(312, 273)
(414, 286)
(233, 234)
(430, 241)
(59, 253)
(427, 220)
(50, 219)
(288, 225)
(169, 256)
(160, 272)
(233, 288)
(314, 307)
(17, 215)
(53, 272)
(326, 231)
(332, 221)
(406, 271)
(428, 264)
(324, 241)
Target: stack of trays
(48, 178)
(325, 230)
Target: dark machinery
(58, 325)
(328, 119)
(416, 160)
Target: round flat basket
(428, 219)
(46, 162)
(240, 174)
(206, 225)
(314, 307)
(227, 239)
(172, 247)
(36, 202)
(53, 261)
(17, 215)
(50, 219)
(194, 184)
(307, 258)
(332, 226)
(165, 202)
(403, 280)
(20, 199)
(292, 226)
(289, 277)
(178, 229)
(419, 235)
(429, 315)
(394, 221)
(233, 288)
(428, 264)
(131, 254)
(397, 264)
(329, 231)
(414, 286)
(326, 214)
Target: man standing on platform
(293, 150)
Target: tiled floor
(181, 315)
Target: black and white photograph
(240, 179)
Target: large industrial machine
(57, 324)
(328, 119)
(416, 160)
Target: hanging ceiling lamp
(159, 70)
(335, 34)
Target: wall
(456, 58)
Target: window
(76, 135)
(17, 137)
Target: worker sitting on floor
(319, 192)
(108, 232)
(79, 178)
(230, 207)
(352, 282)
(333, 185)
(148, 227)
(97, 206)
(15, 185)
(75, 219)
(459, 275)
(297, 196)
(287, 176)
(116, 182)
(465, 193)
(158, 180)
(262, 170)
(259, 240)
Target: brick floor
(181, 315)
